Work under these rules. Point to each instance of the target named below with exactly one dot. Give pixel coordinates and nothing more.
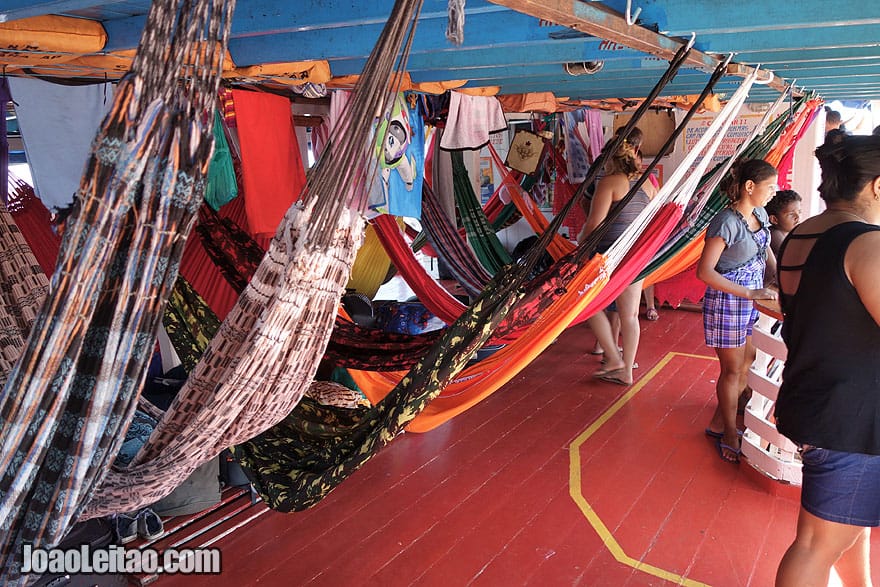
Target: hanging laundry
(222, 187)
(58, 144)
(471, 120)
(595, 132)
(271, 162)
(574, 130)
(400, 146)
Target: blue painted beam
(622, 88)
(793, 40)
(681, 17)
(534, 52)
(550, 74)
(17, 9)
(809, 55)
(507, 28)
(813, 72)
(614, 87)
(356, 24)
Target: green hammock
(302, 459)
(481, 236)
(756, 149)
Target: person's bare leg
(614, 318)
(820, 544)
(854, 565)
(727, 391)
(602, 329)
(630, 330)
(650, 303)
(746, 391)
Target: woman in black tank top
(829, 401)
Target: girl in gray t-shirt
(733, 263)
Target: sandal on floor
(652, 315)
(722, 447)
(719, 435)
(613, 376)
(635, 365)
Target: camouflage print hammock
(298, 462)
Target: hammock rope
(263, 358)
(305, 482)
(588, 292)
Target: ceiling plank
(682, 17)
(602, 22)
(18, 9)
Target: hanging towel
(400, 147)
(595, 132)
(58, 124)
(271, 164)
(471, 120)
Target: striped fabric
(69, 399)
(23, 287)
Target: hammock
(257, 367)
(435, 297)
(69, 399)
(576, 304)
(189, 322)
(559, 246)
(370, 266)
(500, 215)
(482, 238)
(23, 287)
(237, 255)
(33, 218)
(445, 239)
(305, 479)
(685, 247)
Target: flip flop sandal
(719, 435)
(736, 451)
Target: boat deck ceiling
(527, 46)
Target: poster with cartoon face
(400, 148)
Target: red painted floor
(557, 479)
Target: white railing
(766, 449)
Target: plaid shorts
(728, 319)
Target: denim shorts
(841, 487)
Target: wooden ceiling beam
(593, 18)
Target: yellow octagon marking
(574, 480)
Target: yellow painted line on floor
(574, 479)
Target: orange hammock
(686, 257)
(791, 133)
(559, 246)
(588, 292)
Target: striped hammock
(70, 397)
